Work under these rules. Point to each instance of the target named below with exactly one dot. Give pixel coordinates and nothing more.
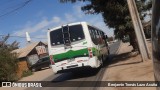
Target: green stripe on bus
(72, 54)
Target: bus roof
(75, 23)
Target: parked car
(41, 63)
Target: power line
(21, 6)
(23, 37)
(6, 2)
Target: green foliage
(8, 61)
(116, 14)
(27, 73)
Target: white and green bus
(76, 45)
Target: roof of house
(23, 52)
(46, 43)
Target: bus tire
(108, 52)
(102, 61)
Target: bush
(8, 60)
(8, 65)
(27, 73)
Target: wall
(22, 66)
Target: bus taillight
(90, 52)
(51, 60)
(90, 56)
(89, 49)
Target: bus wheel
(108, 52)
(101, 61)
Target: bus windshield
(66, 34)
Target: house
(29, 55)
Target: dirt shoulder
(127, 66)
(37, 76)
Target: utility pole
(138, 29)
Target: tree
(8, 60)
(116, 15)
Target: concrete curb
(119, 47)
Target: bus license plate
(70, 60)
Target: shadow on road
(83, 73)
(123, 57)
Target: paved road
(114, 47)
(79, 78)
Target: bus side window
(90, 31)
(100, 37)
(101, 34)
(97, 37)
(93, 35)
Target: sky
(40, 15)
